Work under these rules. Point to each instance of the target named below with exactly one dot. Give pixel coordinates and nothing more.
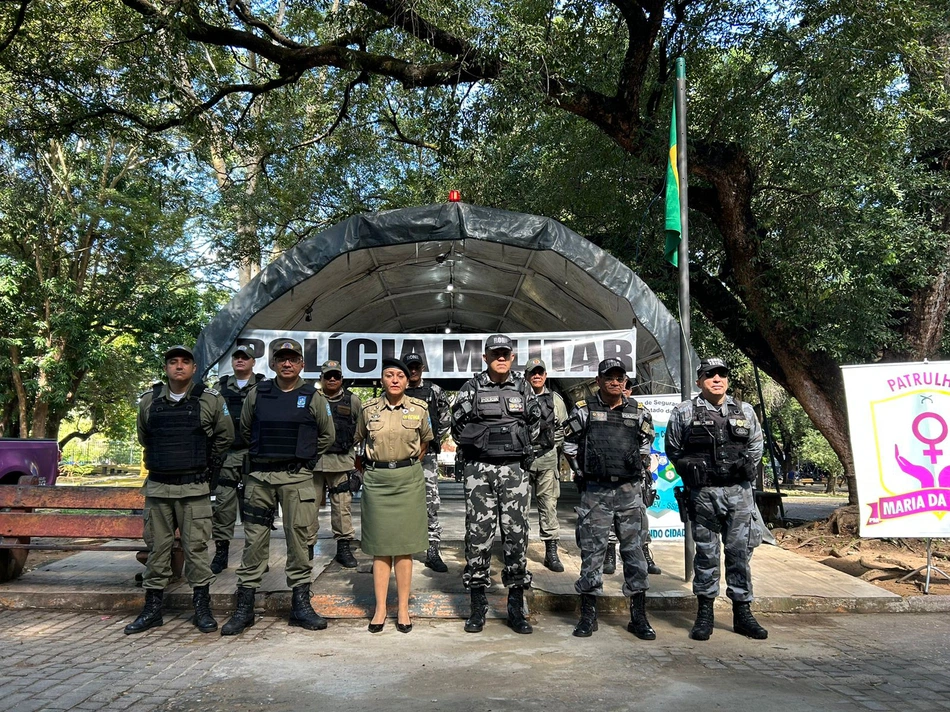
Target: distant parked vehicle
(20, 456)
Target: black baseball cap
(610, 364)
(498, 341)
(413, 358)
(709, 365)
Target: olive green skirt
(393, 512)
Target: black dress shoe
(403, 628)
(376, 627)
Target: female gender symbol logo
(932, 451)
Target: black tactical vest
(176, 445)
(501, 412)
(344, 421)
(284, 429)
(721, 441)
(545, 441)
(428, 394)
(610, 451)
(235, 399)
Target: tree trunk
(20, 392)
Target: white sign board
(565, 354)
(898, 416)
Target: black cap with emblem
(710, 365)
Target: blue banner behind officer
(185, 431)
(608, 446)
(715, 443)
(288, 425)
(438, 405)
(224, 500)
(495, 421)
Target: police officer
(224, 502)
(438, 404)
(185, 431)
(715, 443)
(495, 420)
(649, 497)
(608, 447)
(288, 425)
(543, 473)
(334, 468)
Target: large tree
(818, 157)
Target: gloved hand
(580, 482)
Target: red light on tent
(454, 196)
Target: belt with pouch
(390, 464)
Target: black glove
(356, 481)
(215, 464)
(579, 480)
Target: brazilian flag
(673, 224)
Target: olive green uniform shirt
(342, 461)
(215, 421)
(393, 432)
(325, 429)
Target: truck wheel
(11, 563)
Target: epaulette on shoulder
(419, 402)
(581, 403)
(212, 391)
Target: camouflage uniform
(725, 511)
(496, 490)
(430, 463)
(608, 506)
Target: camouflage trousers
(729, 514)
(601, 510)
(224, 504)
(647, 539)
(430, 466)
(496, 493)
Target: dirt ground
(882, 562)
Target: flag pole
(689, 548)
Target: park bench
(92, 517)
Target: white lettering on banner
(565, 354)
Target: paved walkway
(782, 580)
(82, 661)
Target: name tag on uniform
(488, 399)
(344, 410)
(301, 401)
(598, 415)
(410, 417)
(632, 416)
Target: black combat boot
(476, 621)
(610, 559)
(204, 621)
(703, 627)
(243, 616)
(652, 568)
(744, 623)
(434, 558)
(151, 614)
(344, 556)
(516, 611)
(220, 561)
(302, 613)
(639, 625)
(551, 559)
(588, 623)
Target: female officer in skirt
(393, 431)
